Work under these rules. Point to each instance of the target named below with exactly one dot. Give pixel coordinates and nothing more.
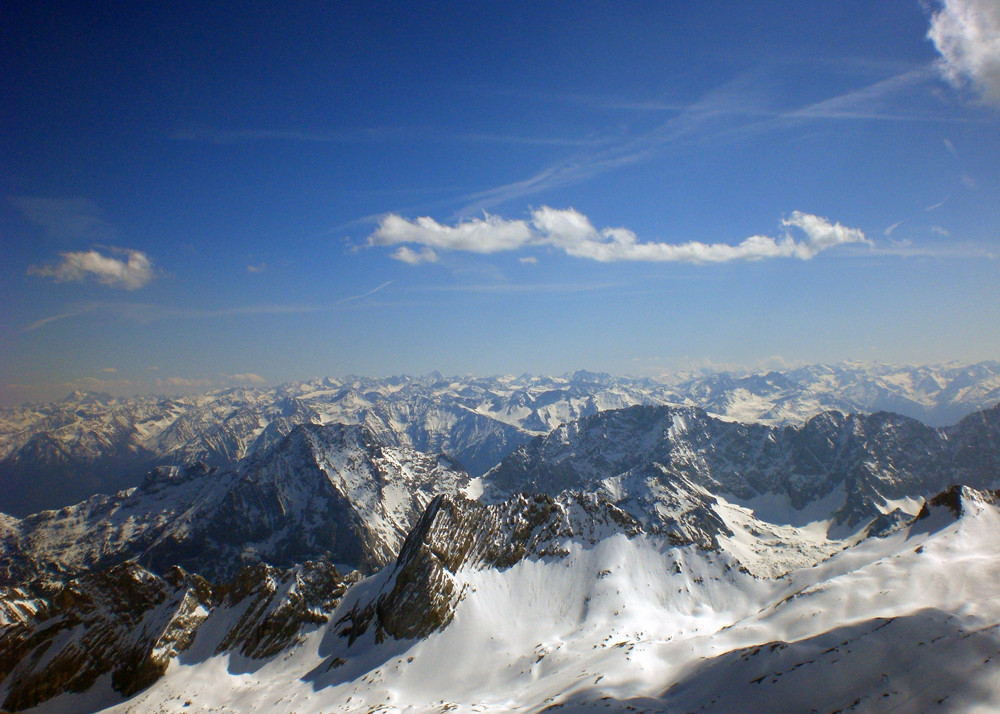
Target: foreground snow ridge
(582, 612)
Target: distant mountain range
(56, 454)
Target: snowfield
(909, 622)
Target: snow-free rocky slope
(56, 454)
(333, 492)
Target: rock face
(333, 492)
(123, 621)
(874, 459)
(421, 591)
(128, 622)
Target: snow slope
(907, 622)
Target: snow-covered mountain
(536, 604)
(333, 492)
(652, 557)
(53, 455)
(851, 467)
(937, 395)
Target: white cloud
(479, 235)
(967, 34)
(257, 268)
(184, 383)
(821, 234)
(413, 257)
(248, 378)
(529, 260)
(96, 384)
(572, 232)
(130, 273)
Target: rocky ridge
(420, 592)
(128, 623)
(866, 463)
(333, 492)
(55, 454)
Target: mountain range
(56, 454)
(648, 557)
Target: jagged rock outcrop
(124, 621)
(956, 501)
(129, 623)
(421, 592)
(872, 459)
(276, 605)
(333, 492)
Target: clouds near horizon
(571, 232)
(133, 271)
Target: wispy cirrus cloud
(151, 312)
(130, 272)
(878, 101)
(67, 219)
(737, 109)
(888, 231)
(572, 232)
(966, 33)
(362, 296)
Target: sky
(200, 195)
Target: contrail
(364, 295)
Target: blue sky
(249, 193)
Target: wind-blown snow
(900, 623)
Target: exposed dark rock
(873, 459)
(454, 533)
(129, 623)
(325, 492)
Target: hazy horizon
(223, 382)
